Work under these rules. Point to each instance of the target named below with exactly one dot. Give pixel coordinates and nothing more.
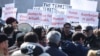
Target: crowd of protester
(49, 42)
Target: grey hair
(54, 36)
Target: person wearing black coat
(54, 38)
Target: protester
(12, 26)
(41, 32)
(78, 28)
(3, 45)
(76, 47)
(91, 38)
(9, 31)
(30, 46)
(18, 42)
(66, 33)
(54, 38)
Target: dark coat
(68, 37)
(74, 49)
(91, 41)
(54, 51)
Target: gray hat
(54, 36)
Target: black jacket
(54, 51)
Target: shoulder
(92, 53)
(18, 53)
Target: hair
(78, 27)
(54, 37)
(20, 39)
(77, 35)
(38, 31)
(51, 28)
(31, 37)
(67, 24)
(58, 29)
(96, 32)
(10, 20)
(8, 29)
(3, 37)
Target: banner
(58, 20)
(34, 16)
(56, 5)
(22, 17)
(46, 18)
(9, 11)
(73, 16)
(91, 18)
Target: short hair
(10, 20)
(3, 37)
(8, 29)
(77, 35)
(78, 27)
(54, 37)
(20, 39)
(67, 24)
(31, 37)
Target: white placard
(22, 17)
(9, 13)
(34, 16)
(73, 15)
(46, 18)
(91, 18)
(58, 20)
(9, 6)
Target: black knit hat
(3, 37)
(10, 20)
